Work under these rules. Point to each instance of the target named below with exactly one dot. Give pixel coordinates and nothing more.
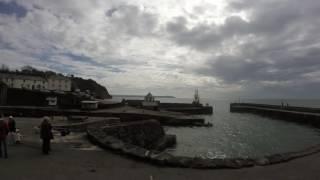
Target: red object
(4, 130)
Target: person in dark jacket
(4, 130)
(12, 124)
(12, 130)
(46, 135)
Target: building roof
(32, 77)
(18, 76)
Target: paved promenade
(72, 159)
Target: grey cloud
(235, 69)
(132, 20)
(201, 37)
(279, 45)
(268, 19)
(111, 11)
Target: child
(18, 136)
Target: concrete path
(26, 162)
(66, 162)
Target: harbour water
(242, 135)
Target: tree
(28, 69)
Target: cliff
(98, 90)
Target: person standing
(12, 124)
(12, 130)
(46, 135)
(4, 130)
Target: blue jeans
(4, 144)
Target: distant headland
(140, 96)
(30, 78)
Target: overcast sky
(225, 48)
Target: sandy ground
(74, 158)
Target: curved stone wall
(99, 137)
(147, 134)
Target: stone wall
(148, 134)
(163, 118)
(82, 126)
(306, 116)
(162, 158)
(284, 107)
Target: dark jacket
(4, 130)
(12, 125)
(45, 130)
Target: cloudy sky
(225, 48)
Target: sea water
(242, 134)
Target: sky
(224, 48)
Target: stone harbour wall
(148, 134)
(163, 118)
(301, 115)
(162, 158)
(82, 126)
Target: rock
(277, 158)
(138, 152)
(117, 145)
(181, 161)
(201, 163)
(162, 158)
(109, 140)
(244, 163)
(165, 142)
(262, 161)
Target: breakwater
(302, 115)
(124, 114)
(106, 138)
(186, 108)
(82, 126)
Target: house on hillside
(60, 83)
(33, 82)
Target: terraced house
(32, 82)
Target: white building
(56, 83)
(149, 102)
(60, 83)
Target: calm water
(242, 135)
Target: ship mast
(196, 99)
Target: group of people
(8, 128)
(9, 132)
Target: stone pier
(302, 115)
